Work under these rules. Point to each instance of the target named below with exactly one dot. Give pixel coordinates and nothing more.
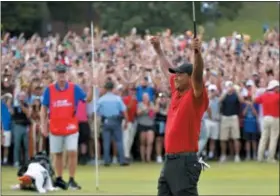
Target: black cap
(184, 68)
(61, 68)
(109, 85)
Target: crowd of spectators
(234, 64)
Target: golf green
(246, 178)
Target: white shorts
(7, 139)
(212, 128)
(60, 143)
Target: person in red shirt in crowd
(189, 100)
(128, 135)
(270, 102)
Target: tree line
(118, 17)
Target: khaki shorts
(91, 124)
(212, 129)
(229, 128)
(60, 143)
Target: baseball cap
(272, 84)
(61, 68)
(212, 87)
(7, 95)
(250, 83)
(120, 86)
(228, 84)
(184, 68)
(109, 85)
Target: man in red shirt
(270, 102)
(189, 100)
(128, 135)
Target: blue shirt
(110, 105)
(79, 94)
(6, 118)
(140, 90)
(250, 120)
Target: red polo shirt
(132, 104)
(270, 102)
(184, 120)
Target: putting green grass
(246, 178)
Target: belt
(113, 118)
(179, 155)
(191, 156)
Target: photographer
(6, 124)
(6, 85)
(20, 116)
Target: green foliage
(20, 16)
(230, 9)
(122, 16)
(69, 12)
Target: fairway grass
(246, 178)
(250, 20)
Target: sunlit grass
(247, 178)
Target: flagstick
(95, 116)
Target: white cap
(212, 87)
(228, 84)
(238, 36)
(8, 95)
(181, 37)
(119, 87)
(272, 84)
(244, 92)
(222, 40)
(250, 83)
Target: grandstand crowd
(237, 72)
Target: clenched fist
(156, 44)
(196, 45)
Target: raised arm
(197, 75)
(165, 64)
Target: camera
(269, 72)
